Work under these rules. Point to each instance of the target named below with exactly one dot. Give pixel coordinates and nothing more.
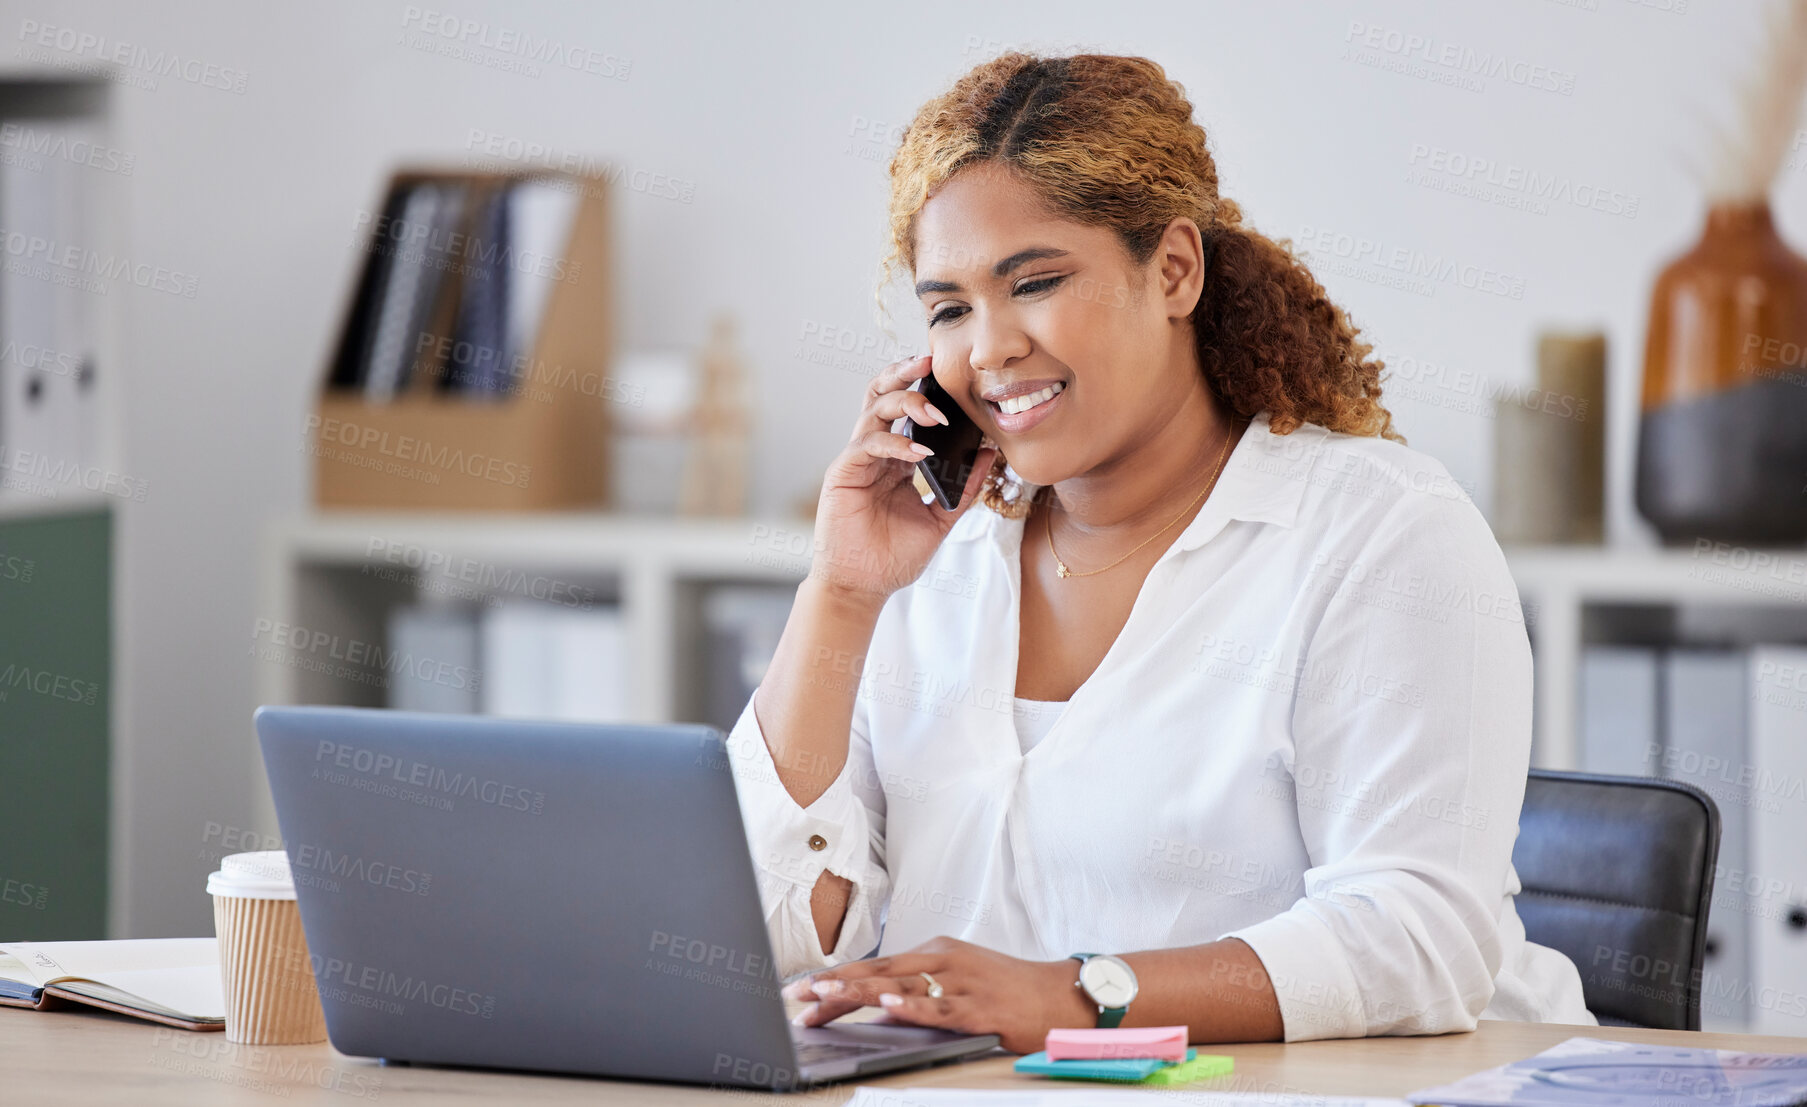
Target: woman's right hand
(873, 533)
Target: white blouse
(1034, 718)
(1311, 734)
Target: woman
(1216, 709)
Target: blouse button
(817, 842)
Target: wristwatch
(1108, 982)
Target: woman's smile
(1016, 413)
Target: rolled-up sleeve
(1410, 742)
(842, 832)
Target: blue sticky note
(1127, 1070)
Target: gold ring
(934, 986)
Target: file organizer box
(543, 446)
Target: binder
(742, 625)
(541, 213)
(70, 381)
(437, 666)
(479, 363)
(1777, 876)
(1704, 694)
(349, 363)
(31, 311)
(430, 217)
(1618, 710)
(544, 661)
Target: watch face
(1108, 981)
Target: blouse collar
(1263, 481)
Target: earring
(1002, 492)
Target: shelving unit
(336, 573)
(337, 576)
(1578, 596)
(320, 572)
(1682, 612)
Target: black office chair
(1618, 874)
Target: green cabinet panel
(55, 697)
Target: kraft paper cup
(269, 982)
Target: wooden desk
(79, 1057)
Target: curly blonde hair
(1110, 141)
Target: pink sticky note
(1163, 1043)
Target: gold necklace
(1060, 566)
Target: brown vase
(1722, 439)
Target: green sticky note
(1200, 1067)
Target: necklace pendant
(1061, 569)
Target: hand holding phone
(874, 532)
(956, 445)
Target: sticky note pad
(1203, 1066)
(1163, 1043)
(1128, 1071)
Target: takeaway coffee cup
(269, 983)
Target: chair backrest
(1618, 875)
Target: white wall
(256, 194)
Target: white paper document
(1101, 1095)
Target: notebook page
(185, 993)
(182, 974)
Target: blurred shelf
(738, 548)
(345, 569)
(1706, 575)
(1571, 592)
(334, 577)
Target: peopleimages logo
(382, 767)
(1416, 270)
(27, 895)
(507, 43)
(351, 658)
(483, 577)
(712, 955)
(17, 568)
(377, 982)
(1450, 59)
(56, 145)
(43, 475)
(327, 866)
(1512, 185)
(58, 363)
(90, 270)
(418, 451)
(489, 150)
(46, 683)
(115, 59)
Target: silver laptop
(555, 897)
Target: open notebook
(174, 981)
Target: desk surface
(90, 1057)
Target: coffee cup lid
(260, 875)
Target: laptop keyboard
(814, 1053)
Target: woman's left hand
(982, 992)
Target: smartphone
(956, 445)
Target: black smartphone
(956, 445)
